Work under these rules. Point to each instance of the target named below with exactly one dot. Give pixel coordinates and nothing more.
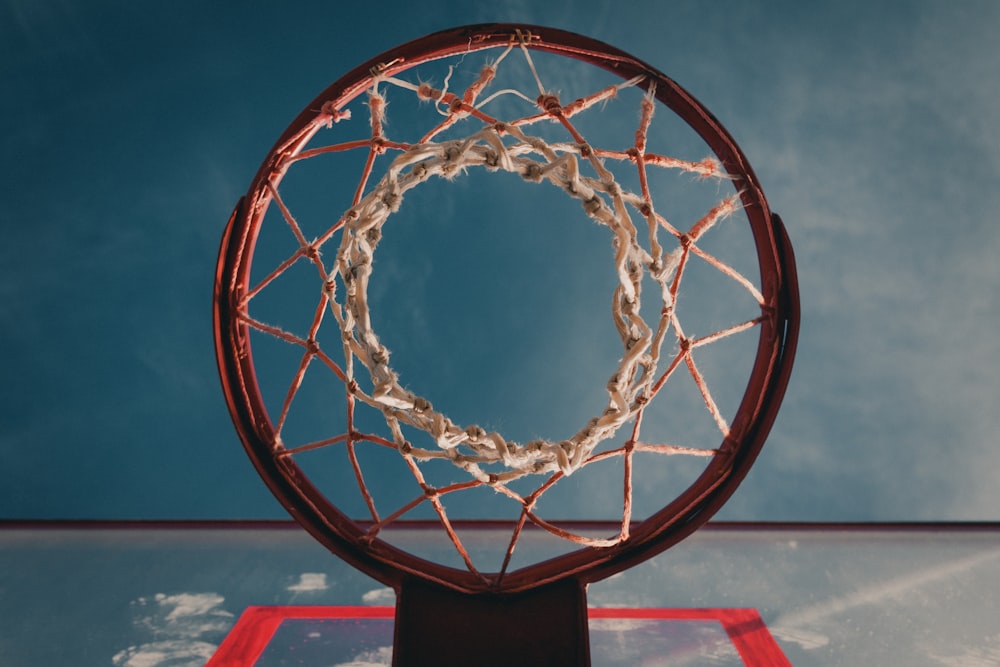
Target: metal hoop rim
(674, 522)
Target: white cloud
(178, 625)
(185, 614)
(379, 597)
(173, 652)
(379, 657)
(986, 656)
(309, 582)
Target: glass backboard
(170, 594)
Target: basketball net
(646, 246)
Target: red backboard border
(254, 629)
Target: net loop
(537, 161)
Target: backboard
(169, 594)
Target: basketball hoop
(482, 98)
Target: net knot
(487, 73)
(391, 200)
(336, 115)
(550, 104)
(427, 92)
(380, 355)
(593, 206)
(533, 173)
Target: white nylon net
(508, 146)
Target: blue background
(129, 130)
